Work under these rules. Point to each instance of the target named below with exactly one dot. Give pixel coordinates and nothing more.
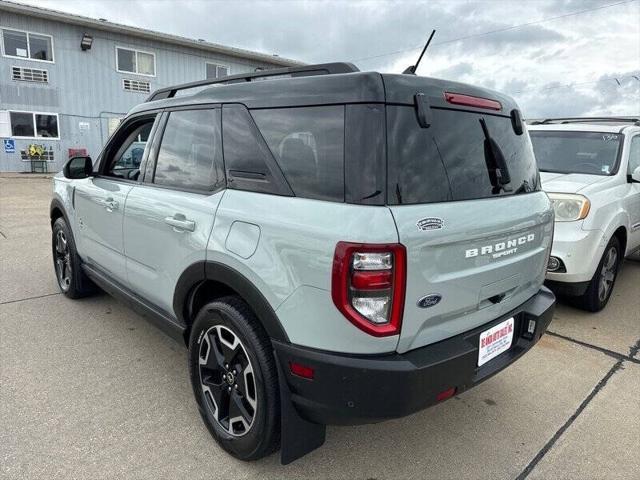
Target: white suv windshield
(594, 153)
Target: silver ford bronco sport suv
(333, 246)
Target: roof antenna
(411, 70)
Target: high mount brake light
(368, 285)
(471, 101)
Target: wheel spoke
(229, 350)
(60, 268)
(237, 409)
(220, 397)
(215, 358)
(61, 243)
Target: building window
(135, 86)
(34, 125)
(34, 46)
(215, 70)
(135, 61)
(29, 75)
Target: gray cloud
(533, 62)
(455, 71)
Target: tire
(67, 265)
(226, 332)
(601, 285)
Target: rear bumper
(357, 389)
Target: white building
(66, 80)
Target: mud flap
(298, 436)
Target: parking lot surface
(88, 389)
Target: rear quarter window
(308, 145)
(248, 161)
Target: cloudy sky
(556, 57)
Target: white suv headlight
(569, 207)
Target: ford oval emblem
(429, 300)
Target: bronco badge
(430, 223)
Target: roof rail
(303, 71)
(547, 121)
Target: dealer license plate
(495, 341)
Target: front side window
(34, 125)
(216, 71)
(128, 150)
(27, 45)
(594, 153)
(134, 61)
(190, 155)
(634, 154)
(308, 144)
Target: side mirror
(78, 167)
(635, 176)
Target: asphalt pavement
(88, 389)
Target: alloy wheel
(608, 273)
(227, 380)
(63, 261)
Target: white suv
(590, 167)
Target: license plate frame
(495, 341)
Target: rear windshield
(448, 161)
(576, 152)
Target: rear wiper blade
(496, 163)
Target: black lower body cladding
(357, 389)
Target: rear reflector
(448, 393)
(471, 101)
(301, 370)
(371, 280)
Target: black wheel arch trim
(197, 273)
(56, 204)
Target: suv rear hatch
(465, 195)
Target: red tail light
(471, 101)
(368, 285)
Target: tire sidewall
(597, 303)
(219, 313)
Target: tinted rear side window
(247, 158)
(190, 155)
(308, 144)
(446, 162)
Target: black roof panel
(304, 86)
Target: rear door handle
(180, 223)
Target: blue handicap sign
(9, 145)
